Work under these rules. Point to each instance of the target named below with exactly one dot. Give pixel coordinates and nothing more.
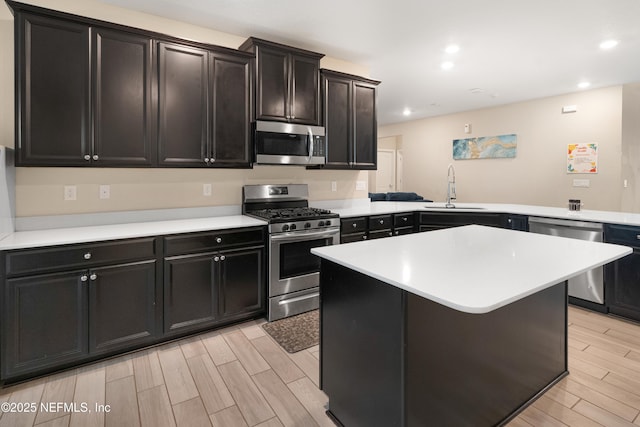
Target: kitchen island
(463, 326)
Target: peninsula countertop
(381, 208)
(473, 269)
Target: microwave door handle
(310, 146)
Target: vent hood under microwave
(277, 143)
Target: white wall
(39, 191)
(537, 175)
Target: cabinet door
(242, 282)
(122, 99)
(337, 121)
(622, 281)
(122, 306)
(53, 96)
(304, 90)
(183, 87)
(230, 111)
(44, 322)
(190, 297)
(365, 123)
(272, 88)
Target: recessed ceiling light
(452, 48)
(447, 65)
(608, 44)
(406, 112)
(584, 85)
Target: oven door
(292, 266)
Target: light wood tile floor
(239, 376)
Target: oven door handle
(300, 236)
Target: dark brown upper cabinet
(287, 82)
(84, 95)
(52, 93)
(122, 70)
(350, 120)
(204, 107)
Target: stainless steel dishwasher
(589, 285)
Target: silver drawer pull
(218, 239)
(364, 237)
(87, 157)
(222, 257)
(83, 278)
(405, 219)
(95, 157)
(382, 221)
(93, 276)
(87, 255)
(354, 225)
(638, 236)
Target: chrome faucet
(451, 186)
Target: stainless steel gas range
(294, 229)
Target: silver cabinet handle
(93, 276)
(222, 257)
(95, 157)
(87, 157)
(638, 236)
(218, 239)
(381, 221)
(364, 237)
(206, 160)
(354, 225)
(83, 278)
(405, 219)
(87, 255)
(216, 258)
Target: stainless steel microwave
(289, 144)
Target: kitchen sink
(454, 207)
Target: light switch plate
(334, 186)
(361, 185)
(206, 190)
(581, 183)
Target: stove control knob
(307, 225)
(320, 223)
(327, 223)
(285, 227)
(293, 226)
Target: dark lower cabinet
(437, 220)
(122, 306)
(207, 288)
(44, 322)
(622, 277)
(190, 296)
(376, 227)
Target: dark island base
(391, 358)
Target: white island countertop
(473, 269)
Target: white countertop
(380, 208)
(64, 236)
(474, 269)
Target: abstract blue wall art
(485, 147)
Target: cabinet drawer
(380, 222)
(57, 258)
(353, 237)
(623, 234)
(353, 225)
(223, 239)
(403, 220)
(380, 234)
(399, 231)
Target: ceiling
(510, 50)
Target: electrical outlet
(206, 190)
(361, 185)
(70, 192)
(105, 191)
(334, 186)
